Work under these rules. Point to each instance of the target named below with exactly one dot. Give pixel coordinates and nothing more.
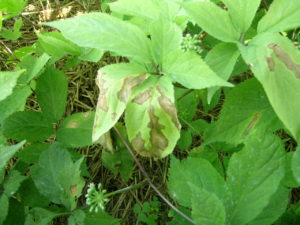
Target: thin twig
(143, 171)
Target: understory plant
(182, 59)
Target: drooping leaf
(76, 130)
(242, 13)
(8, 81)
(151, 118)
(28, 125)
(254, 175)
(188, 69)
(14, 102)
(193, 172)
(246, 109)
(57, 177)
(282, 15)
(276, 64)
(104, 32)
(51, 92)
(7, 152)
(115, 84)
(221, 59)
(206, 14)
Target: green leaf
(14, 102)
(15, 34)
(149, 9)
(8, 81)
(16, 213)
(33, 66)
(185, 140)
(207, 208)
(7, 152)
(276, 207)
(295, 164)
(28, 125)
(57, 177)
(43, 216)
(165, 38)
(188, 69)
(100, 217)
(4, 205)
(104, 32)
(77, 218)
(282, 15)
(76, 130)
(13, 182)
(91, 54)
(237, 119)
(276, 64)
(206, 14)
(198, 172)
(242, 13)
(31, 154)
(151, 118)
(115, 83)
(12, 6)
(254, 175)
(52, 91)
(221, 59)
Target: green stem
(135, 186)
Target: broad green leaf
(253, 176)
(8, 81)
(16, 213)
(242, 13)
(188, 69)
(246, 109)
(28, 125)
(31, 154)
(206, 14)
(7, 152)
(91, 54)
(76, 130)
(13, 182)
(52, 91)
(193, 172)
(41, 216)
(77, 218)
(57, 177)
(295, 164)
(276, 207)
(4, 205)
(149, 9)
(207, 208)
(12, 6)
(276, 64)
(165, 38)
(115, 84)
(151, 118)
(14, 102)
(104, 32)
(282, 15)
(100, 217)
(33, 66)
(221, 59)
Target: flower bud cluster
(190, 43)
(95, 197)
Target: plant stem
(135, 186)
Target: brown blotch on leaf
(271, 64)
(142, 97)
(286, 59)
(113, 116)
(73, 190)
(129, 83)
(138, 143)
(168, 106)
(73, 124)
(251, 124)
(86, 115)
(102, 102)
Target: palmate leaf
(151, 118)
(104, 32)
(282, 15)
(276, 64)
(115, 83)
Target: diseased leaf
(253, 176)
(115, 84)
(151, 118)
(193, 172)
(57, 177)
(188, 69)
(104, 32)
(76, 130)
(242, 13)
(51, 92)
(282, 15)
(8, 81)
(206, 14)
(28, 125)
